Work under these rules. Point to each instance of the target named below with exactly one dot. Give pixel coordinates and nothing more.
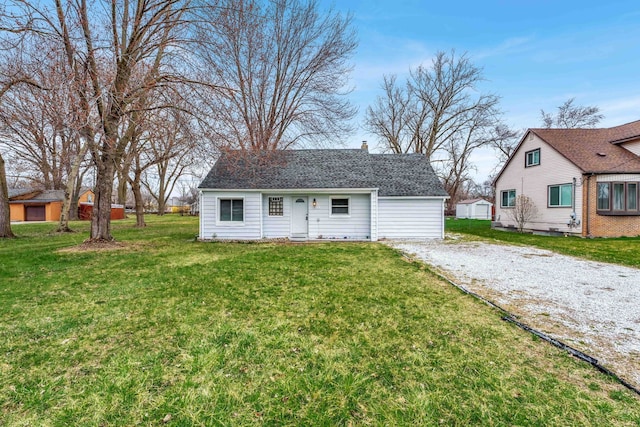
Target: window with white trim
(560, 195)
(507, 198)
(339, 206)
(231, 210)
(276, 206)
(532, 158)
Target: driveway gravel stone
(592, 306)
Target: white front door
(300, 218)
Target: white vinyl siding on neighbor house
(633, 146)
(211, 226)
(410, 218)
(534, 182)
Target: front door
(300, 218)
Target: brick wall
(604, 225)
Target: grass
(170, 331)
(622, 250)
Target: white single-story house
(321, 194)
(473, 209)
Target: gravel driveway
(592, 306)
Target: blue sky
(534, 54)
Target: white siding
(633, 146)
(276, 226)
(406, 218)
(323, 225)
(477, 210)
(619, 178)
(554, 169)
(210, 228)
(374, 215)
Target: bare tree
(40, 131)
(523, 211)
(437, 103)
(110, 70)
(505, 141)
(12, 74)
(572, 116)
(390, 117)
(284, 66)
(439, 112)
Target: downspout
(586, 208)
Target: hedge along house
(583, 181)
(321, 194)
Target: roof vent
(602, 154)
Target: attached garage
(410, 218)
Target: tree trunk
(101, 218)
(123, 173)
(162, 201)
(5, 212)
(137, 194)
(71, 202)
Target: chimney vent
(365, 146)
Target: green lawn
(623, 250)
(196, 333)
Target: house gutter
(587, 210)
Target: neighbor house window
(560, 195)
(508, 198)
(232, 210)
(532, 158)
(276, 207)
(632, 196)
(339, 206)
(603, 196)
(618, 198)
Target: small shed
(474, 209)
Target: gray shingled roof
(392, 174)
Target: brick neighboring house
(583, 181)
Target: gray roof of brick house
(392, 174)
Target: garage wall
(404, 218)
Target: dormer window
(532, 158)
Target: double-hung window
(339, 206)
(560, 195)
(532, 158)
(507, 198)
(231, 210)
(618, 198)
